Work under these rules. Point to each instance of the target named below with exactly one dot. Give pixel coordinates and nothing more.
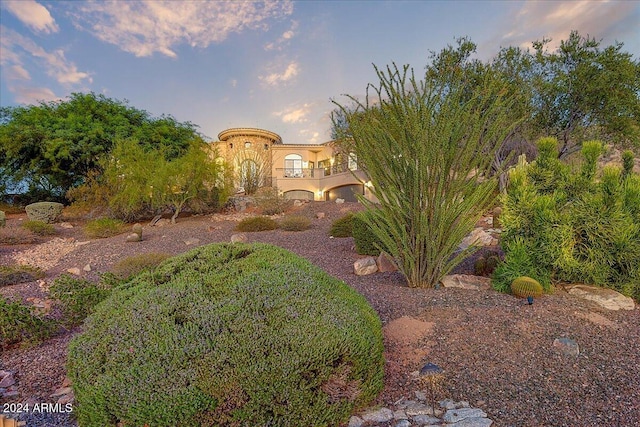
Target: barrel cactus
(526, 287)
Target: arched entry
(346, 192)
(298, 195)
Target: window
(293, 166)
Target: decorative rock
(134, 237)
(420, 395)
(87, 268)
(447, 404)
(66, 225)
(567, 346)
(605, 298)
(7, 381)
(400, 415)
(365, 266)
(320, 215)
(415, 408)
(355, 421)
(191, 241)
(75, 271)
(339, 201)
(403, 423)
(456, 415)
(465, 281)
(48, 212)
(385, 262)
(297, 203)
(137, 228)
(473, 422)
(477, 237)
(62, 391)
(239, 238)
(426, 420)
(381, 415)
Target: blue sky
(275, 65)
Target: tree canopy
(51, 147)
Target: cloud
(32, 95)
(143, 27)
(32, 14)
(17, 72)
(535, 20)
(283, 39)
(275, 78)
(294, 114)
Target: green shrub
(343, 226)
(228, 334)
(16, 236)
(524, 287)
(78, 297)
(295, 223)
(257, 223)
(133, 265)
(367, 243)
(18, 324)
(104, 227)
(39, 227)
(269, 201)
(577, 226)
(14, 274)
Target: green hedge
(228, 334)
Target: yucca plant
(427, 147)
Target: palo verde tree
(427, 146)
(52, 147)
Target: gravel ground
(496, 350)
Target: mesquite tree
(427, 146)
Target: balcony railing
(297, 172)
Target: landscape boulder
(478, 237)
(239, 238)
(466, 281)
(385, 262)
(365, 266)
(605, 298)
(48, 212)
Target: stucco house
(299, 171)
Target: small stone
(239, 238)
(7, 381)
(85, 242)
(567, 346)
(472, 422)
(213, 228)
(462, 404)
(456, 415)
(365, 266)
(134, 237)
(66, 382)
(381, 415)
(418, 409)
(420, 395)
(62, 391)
(297, 203)
(87, 268)
(426, 420)
(403, 423)
(66, 225)
(191, 241)
(320, 215)
(67, 398)
(339, 201)
(400, 415)
(355, 421)
(137, 228)
(75, 271)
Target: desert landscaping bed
(497, 351)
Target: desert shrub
(130, 266)
(78, 297)
(13, 274)
(269, 201)
(295, 223)
(18, 324)
(343, 226)
(567, 224)
(16, 236)
(257, 223)
(228, 334)
(366, 241)
(104, 227)
(39, 227)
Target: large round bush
(228, 334)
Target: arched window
(293, 166)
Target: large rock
(567, 346)
(605, 298)
(365, 266)
(48, 212)
(466, 281)
(478, 237)
(385, 262)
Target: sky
(274, 65)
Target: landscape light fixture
(530, 300)
(432, 379)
